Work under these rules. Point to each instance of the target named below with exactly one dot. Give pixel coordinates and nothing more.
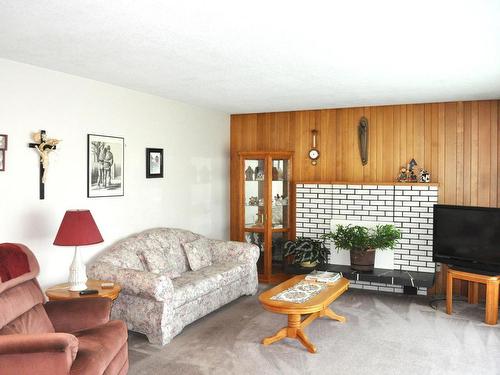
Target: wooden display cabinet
(267, 208)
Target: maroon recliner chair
(56, 337)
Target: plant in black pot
(362, 242)
(307, 252)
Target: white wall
(194, 193)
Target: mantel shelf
(369, 183)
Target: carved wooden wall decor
(363, 139)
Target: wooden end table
(61, 291)
(492, 287)
(316, 307)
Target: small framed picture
(105, 164)
(154, 163)
(3, 141)
(2, 160)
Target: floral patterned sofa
(172, 277)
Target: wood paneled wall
(458, 142)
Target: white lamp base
(77, 273)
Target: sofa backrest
(21, 299)
(125, 253)
(128, 253)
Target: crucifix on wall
(43, 146)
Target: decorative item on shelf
(424, 176)
(314, 152)
(255, 239)
(281, 175)
(280, 200)
(105, 166)
(307, 252)
(259, 219)
(363, 139)
(3, 148)
(259, 174)
(362, 242)
(249, 174)
(253, 201)
(275, 174)
(411, 168)
(407, 174)
(403, 175)
(154, 163)
(43, 147)
(77, 228)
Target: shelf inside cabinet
(254, 229)
(279, 230)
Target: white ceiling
(257, 56)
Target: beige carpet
(384, 334)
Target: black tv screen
(467, 237)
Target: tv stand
(473, 270)
(492, 287)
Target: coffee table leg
(293, 331)
(301, 336)
(329, 313)
(281, 334)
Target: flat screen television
(467, 237)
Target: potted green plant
(362, 242)
(307, 252)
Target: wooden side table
(62, 292)
(492, 288)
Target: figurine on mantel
(424, 176)
(407, 174)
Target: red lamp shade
(78, 228)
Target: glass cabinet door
(280, 213)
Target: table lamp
(77, 228)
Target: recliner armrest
(46, 353)
(134, 282)
(77, 314)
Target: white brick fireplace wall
(408, 206)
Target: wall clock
(314, 152)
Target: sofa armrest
(233, 251)
(77, 314)
(134, 282)
(46, 353)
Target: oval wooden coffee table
(316, 307)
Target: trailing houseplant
(362, 242)
(307, 252)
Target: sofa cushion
(155, 261)
(170, 241)
(194, 284)
(198, 253)
(98, 346)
